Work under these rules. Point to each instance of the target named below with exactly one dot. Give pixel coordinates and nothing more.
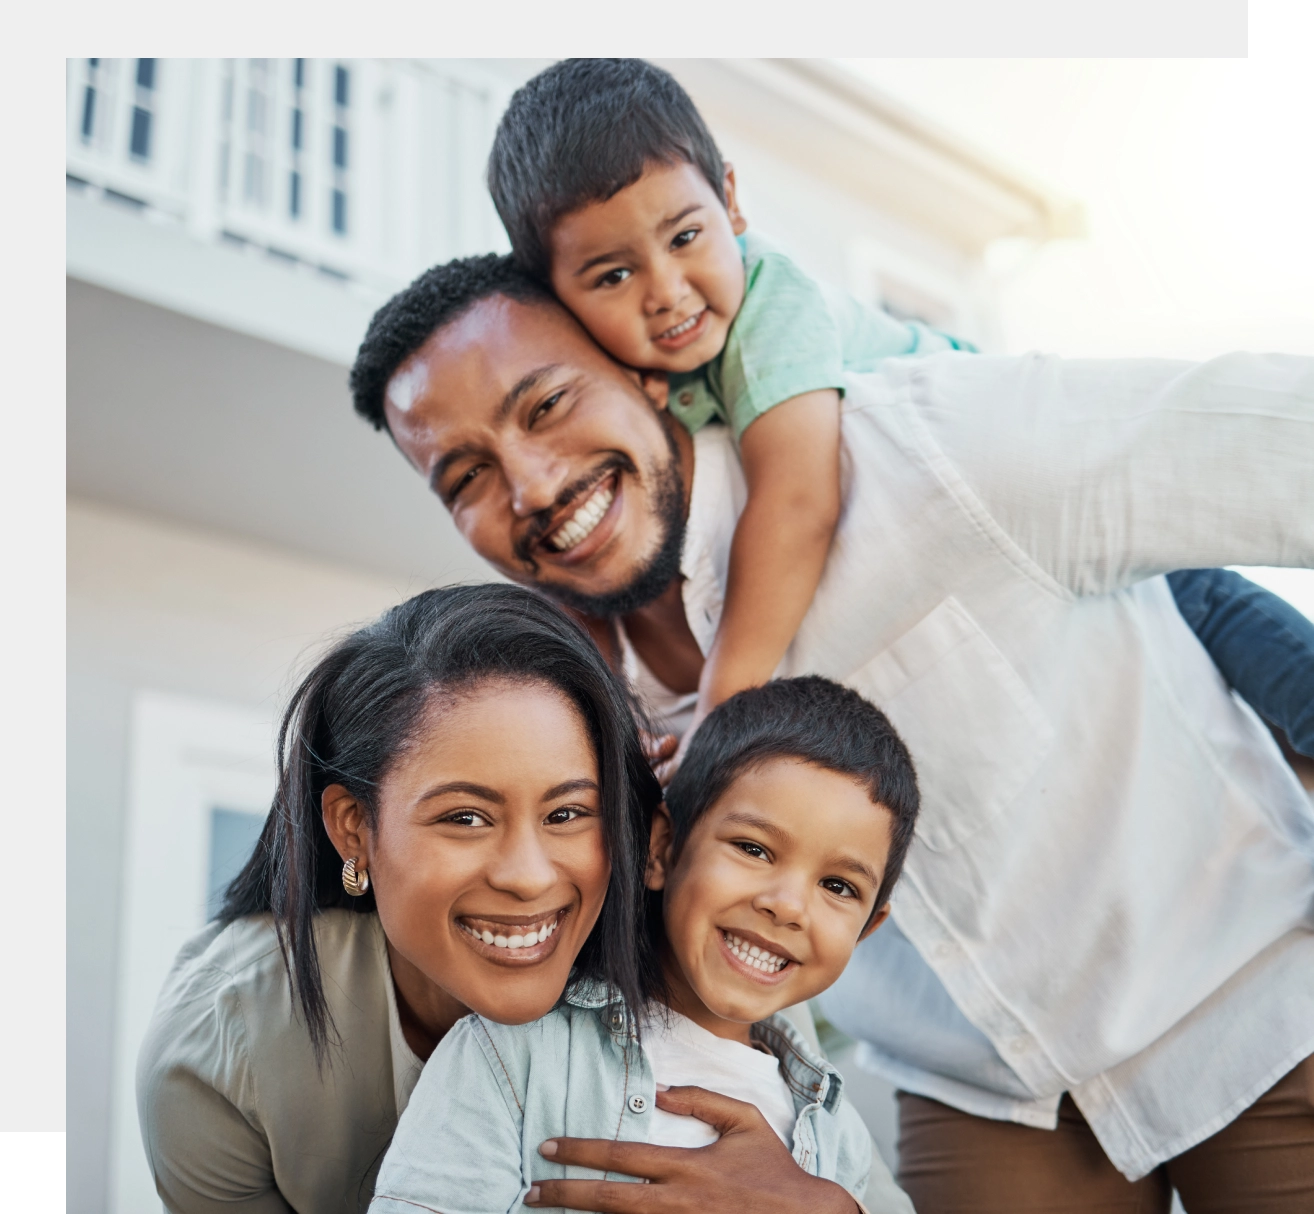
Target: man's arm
(747, 1168)
(1108, 472)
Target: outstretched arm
(791, 465)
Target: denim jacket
(491, 1093)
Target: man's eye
(841, 888)
(613, 278)
(684, 238)
(756, 850)
(567, 813)
(463, 480)
(546, 406)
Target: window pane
(340, 82)
(339, 147)
(299, 73)
(339, 212)
(140, 144)
(297, 118)
(145, 73)
(294, 195)
(233, 838)
(88, 111)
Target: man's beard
(661, 569)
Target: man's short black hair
(434, 300)
(581, 131)
(811, 719)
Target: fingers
(664, 771)
(722, 1113)
(604, 1196)
(639, 1159)
(658, 747)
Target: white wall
(155, 605)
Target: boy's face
(788, 862)
(654, 273)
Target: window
(340, 136)
(139, 136)
(257, 132)
(89, 100)
(294, 194)
(297, 134)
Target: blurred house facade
(232, 225)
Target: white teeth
(683, 327)
(516, 939)
(755, 956)
(580, 525)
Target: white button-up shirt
(1113, 872)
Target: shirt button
(638, 1104)
(1018, 1045)
(686, 398)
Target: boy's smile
(771, 892)
(654, 272)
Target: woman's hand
(747, 1168)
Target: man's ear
(876, 920)
(344, 819)
(738, 224)
(653, 385)
(660, 840)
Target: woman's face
(486, 858)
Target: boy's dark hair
(581, 131)
(808, 718)
(434, 300)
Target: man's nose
(535, 476)
(522, 866)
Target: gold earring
(353, 882)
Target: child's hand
(660, 750)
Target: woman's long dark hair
(358, 710)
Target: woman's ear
(738, 224)
(876, 920)
(344, 819)
(660, 839)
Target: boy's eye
(567, 813)
(840, 888)
(613, 278)
(547, 405)
(684, 238)
(756, 850)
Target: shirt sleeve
(457, 1148)
(207, 1157)
(783, 342)
(1104, 473)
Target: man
(1105, 927)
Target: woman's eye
(613, 278)
(841, 888)
(756, 850)
(549, 404)
(464, 817)
(684, 238)
(567, 813)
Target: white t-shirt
(682, 1052)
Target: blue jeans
(1261, 644)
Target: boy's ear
(738, 224)
(876, 920)
(660, 839)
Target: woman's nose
(522, 867)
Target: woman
(462, 794)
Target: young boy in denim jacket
(613, 191)
(781, 840)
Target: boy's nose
(786, 904)
(666, 288)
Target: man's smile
(585, 519)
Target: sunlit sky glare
(1198, 181)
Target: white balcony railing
(360, 169)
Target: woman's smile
(513, 939)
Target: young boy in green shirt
(641, 237)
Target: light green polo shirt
(790, 337)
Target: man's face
(556, 466)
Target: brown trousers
(1262, 1163)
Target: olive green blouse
(235, 1115)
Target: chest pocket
(976, 733)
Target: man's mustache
(541, 523)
